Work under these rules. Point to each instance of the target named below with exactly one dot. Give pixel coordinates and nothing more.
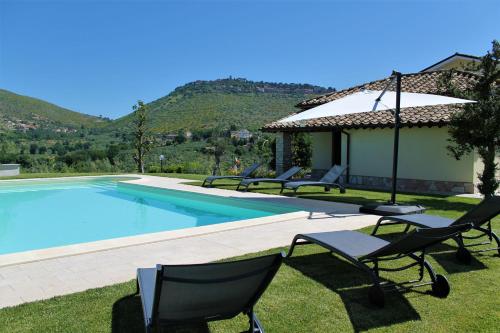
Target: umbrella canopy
(366, 100)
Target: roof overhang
(450, 59)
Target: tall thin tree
(142, 140)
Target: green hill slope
(23, 112)
(222, 103)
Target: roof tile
(426, 83)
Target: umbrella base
(391, 209)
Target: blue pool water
(42, 214)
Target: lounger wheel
(376, 296)
(342, 190)
(463, 255)
(441, 287)
(256, 183)
(327, 189)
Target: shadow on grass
(335, 198)
(128, 318)
(444, 255)
(428, 201)
(221, 185)
(127, 315)
(352, 286)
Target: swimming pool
(47, 213)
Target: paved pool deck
(58, 272)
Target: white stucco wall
(9, 170)
(321, 150)
(422, 154)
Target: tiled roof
(426, 83)
(436, 115)
(422, 83)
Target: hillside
(19, 112)
(222, 103)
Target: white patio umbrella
(366, 100)
(376, 100)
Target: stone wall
(404, 185)
(283, 152)
(413, 185)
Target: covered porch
(425, 164)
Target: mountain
(19, 112)
(223, 103)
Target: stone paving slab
(44, 279)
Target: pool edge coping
(155, 237)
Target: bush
(154, 169)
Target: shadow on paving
(352, 286)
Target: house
(243, 134)
(170, 137)
(363, 141)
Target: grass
(312, 292)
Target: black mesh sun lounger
(328, 181)
(281, 179)
(244, 174)
(478, 216)
(367, 252)
(177, 295)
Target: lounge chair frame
(463, 253)
(243, 175)
(281, 179)
(320, 183)
(255, 326)
(370, 264)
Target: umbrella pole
(391, 208)
(397, 121)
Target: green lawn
(312, 292)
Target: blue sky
(99, 57)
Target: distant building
(243, 134)
(169, 138)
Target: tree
(265, 152)
(219, 149)
(181, 137)
(112, 152)
(33, 148)
(301, 150)
(477, 126)
(142, 142)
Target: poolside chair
(244, 174)
(328, 181)
(481, 214)
(178, 295)
(282, 179)
(367, 252)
